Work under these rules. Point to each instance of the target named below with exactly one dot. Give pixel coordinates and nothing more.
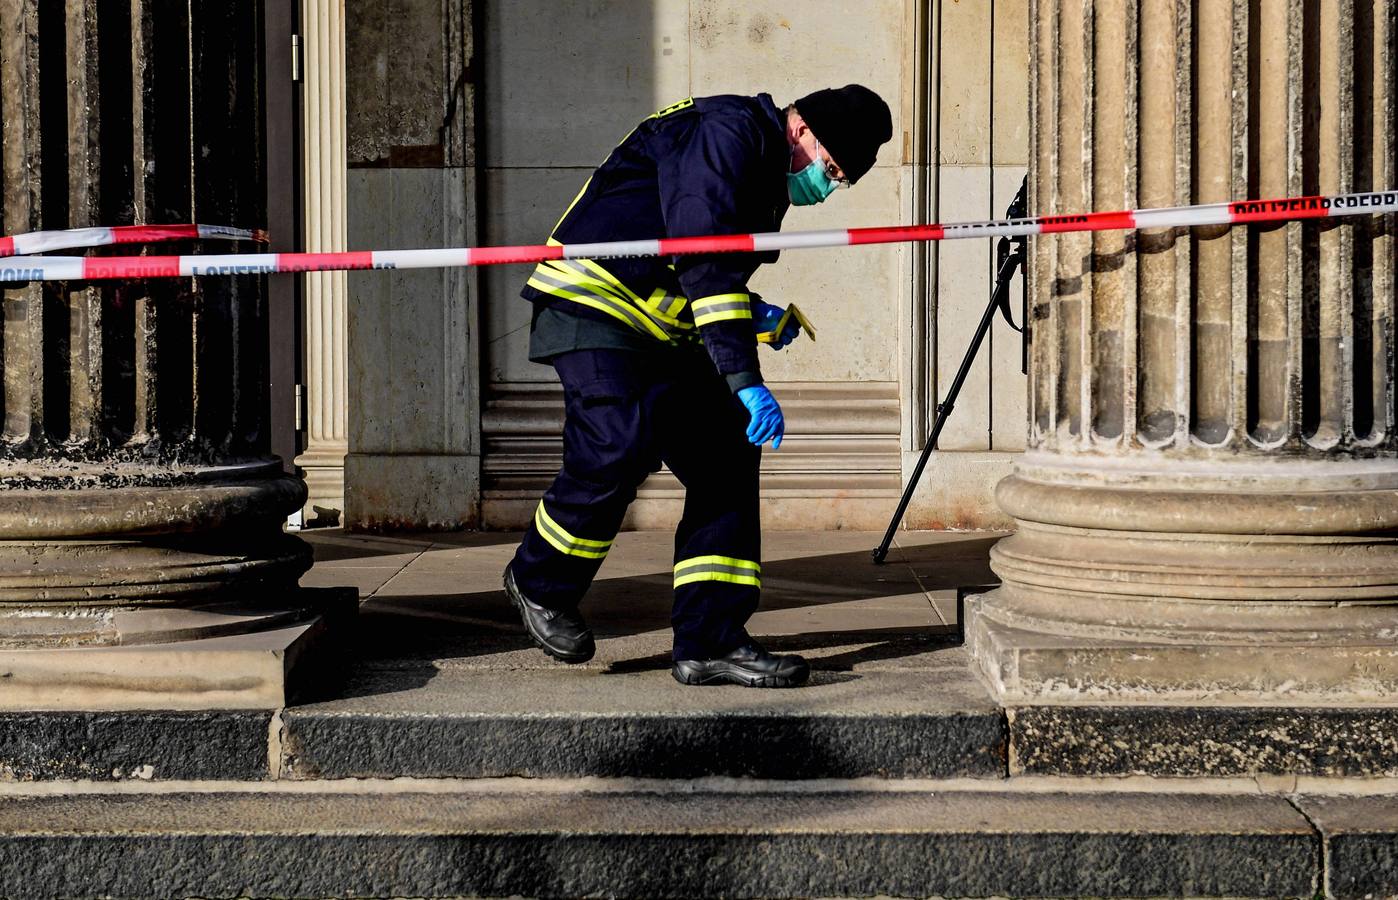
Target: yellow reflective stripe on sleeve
(704, 303)
(720, 308)
(718, 568)
(564, 542)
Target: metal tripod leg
(1009, 262)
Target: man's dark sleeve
(702, 187)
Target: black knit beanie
(851, 123)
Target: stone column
(323, 178)
(414, 344)
(1208, 508)
(142, 560)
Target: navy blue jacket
(707, 165)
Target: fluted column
(1208, 508)
(142, 559)
(324, 175)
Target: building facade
(469, 123)
(1205, 510)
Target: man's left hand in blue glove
(766, 317)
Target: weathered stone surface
(1193, 741)
(1205, 510)
(143, 561)
(957, 491)
(672, 843)
(1360, 837)
(567, 723)
(446, 682)
(163, 745)
(253, 655)
(1215, 660)
(409, 89)
(413, 372)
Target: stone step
(916, 722)
(1203, 741)
(931, 720)
(541, 838)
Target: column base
(1203, 581)
(1330, 667)
(323, 469)
(264, 669)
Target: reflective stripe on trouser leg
(605, 456)
(554, 566)
(718, 544)
(718, 568)
(565, 542)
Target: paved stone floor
(438, 596)
(454, 759)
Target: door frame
(281, 130)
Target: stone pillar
(414, 345)
(142, 560)
(1208, 507)
(324, 191)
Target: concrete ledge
(1251, 662)
(562, 724)
(255, 670)
(665, 843)
(1202, 741)
(101, 746)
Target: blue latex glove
(767, 423)
(765, 317)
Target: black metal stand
(1009, 256)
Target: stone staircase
(454, 760)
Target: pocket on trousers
(604, 437)
(604, 391)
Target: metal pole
(1008, 263)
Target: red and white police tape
(62, 268)
(73, 238)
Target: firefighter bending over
(658, 360)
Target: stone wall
(477, 425)
(412, 395)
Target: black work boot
(561, 634)
(750, 665)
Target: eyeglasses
(832, 171)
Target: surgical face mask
(812, 184)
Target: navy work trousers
(627, 413)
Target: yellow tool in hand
(771, 337)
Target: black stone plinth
(1184, 741)
(113, 746)
(679, 746)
